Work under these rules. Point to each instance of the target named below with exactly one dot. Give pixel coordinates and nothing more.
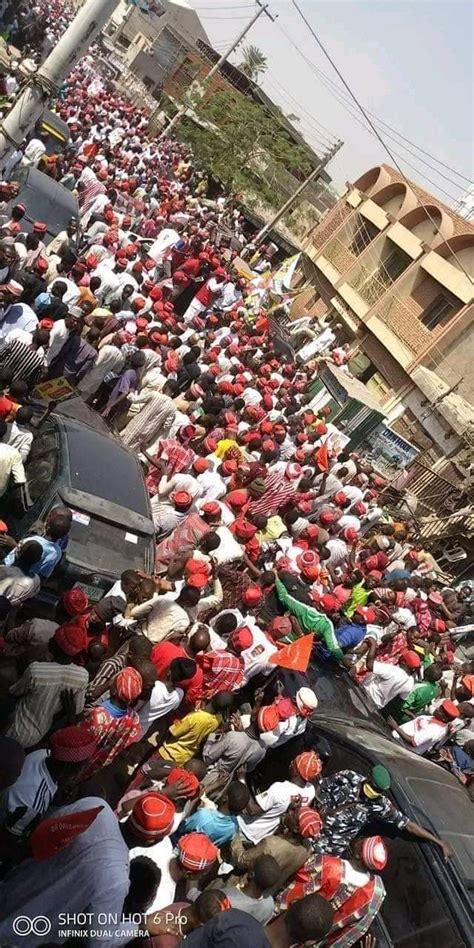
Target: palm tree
(253, 63)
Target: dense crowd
(162, 765)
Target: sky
(410, 62)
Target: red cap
(411, 659)
(252, 595)
(182, 499)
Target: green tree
(254, 62)
(244, 145)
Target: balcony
(340, 255)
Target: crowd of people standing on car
(160, 750)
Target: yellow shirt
(275, 528)
(190, 732)
(224, 445)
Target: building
(395, 267)
(152, 45)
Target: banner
(55, 390)
(281, 281)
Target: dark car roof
(45, 200)
(102, 467)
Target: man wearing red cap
(114, 725)
(41, 689)
(43, 773)
(425, 731)
(385, 682)
(356, 894)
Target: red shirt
(207, 294)
(162, 656)
(6, 406)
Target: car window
(42, 462)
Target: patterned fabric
(234, 583)
(355, 906)
(222, 672)
(112, 736)
(346, 812)
(153, 420)
(390, 653)
(278, 491)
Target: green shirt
(359, 597)
(310, 619)
(421, 695)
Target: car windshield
(102, 467)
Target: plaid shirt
(222, 672)
(355, 906)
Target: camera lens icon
(24, 925)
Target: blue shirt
(220, 827)
(52, 553)
(350, 634)
(18, 316)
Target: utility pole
(286, 206)
(200, 87)
(34, 97)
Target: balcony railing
(340, 255)
(371, 286)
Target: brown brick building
(395, 266)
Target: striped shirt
(25, 362)
(34, 790)
(39, 698)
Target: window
(440, 310)
(395, 264)
(123, 42)
(364, 234)
(42, 461)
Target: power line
(373, 127)
(330, 137)
(342, 101)
(323, 76)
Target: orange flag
(322, 458)
(295, 656)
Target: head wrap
(310, 823)
(196, 852)
(308, 765)
(306, 700)
(152, 816)
(128, 684)
(374, 853)
(70, 638)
